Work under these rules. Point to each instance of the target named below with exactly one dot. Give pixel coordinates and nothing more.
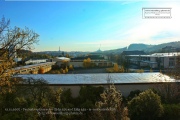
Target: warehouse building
(125, 82)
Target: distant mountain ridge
(135, 46)
(139, 47)
(145, 47)
(150, 48)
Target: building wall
(34, 69)
(166, 62)
(35, 61)
(76, 64)
(154, 65)
(169, 60)
(142, 64)
(98, 63)
(58, 63)
(152, 59)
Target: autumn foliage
(140, 71)
(87, 63)
(41, 70)
(71, 67)
(115, 69)
(12, 40)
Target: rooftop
(102, 78)
(160, 54)
(34, 65)
(63, 58)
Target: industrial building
(156, 60)
(125, 82)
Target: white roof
(34, 65)
(102, 78)
(160, 55)
(166, 54)
(63, 58)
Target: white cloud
(147, 29)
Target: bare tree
(169, 92)
(11, 41)
(175, 72)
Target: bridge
(34, 69)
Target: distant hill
(135, 46)
(139, 47)
(145, 47)
(160, 46)
(115, 51)
(22, 51)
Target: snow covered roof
(102, 78)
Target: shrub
(171, 111)
(145, 106)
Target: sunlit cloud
(154, 31)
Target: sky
(90, 25)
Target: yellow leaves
(84, 60)
(115, 69)
(33, 72)
(109, 70)
(6, 72)
(7, 84)
(87, 62)
(41, 70)
(66, 70)
(27, 39)
(67, 55)
(57, 94)
(140, 71)
(65, 61)
(71, 67)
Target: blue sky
(83, 26)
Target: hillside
(139, 47)
(135, 46)
(145, 47)
(160, 46)
(115, 51)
